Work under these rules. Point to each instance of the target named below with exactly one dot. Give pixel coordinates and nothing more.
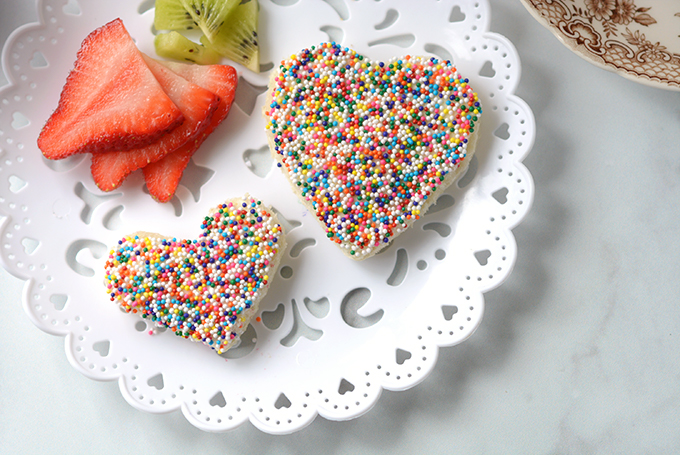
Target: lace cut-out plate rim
(502, 184)
(635, 39)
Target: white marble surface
(578, 353)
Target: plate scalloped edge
(500, 186)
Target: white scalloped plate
(637, 39)
(332, 333)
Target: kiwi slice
(209, 14)
(237, 38)
(171, 15)
(176, 46)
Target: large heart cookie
(366, 145)
(207, 289)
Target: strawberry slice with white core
(111, 100)
(163, 176)
(197, 104)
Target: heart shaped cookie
(368, 146)
(206, 289)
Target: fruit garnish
(109, 169)
(171, 15)
(229, 27)
(163, 176)
(209, 15)
(237, 38)
(111, 100)
(176, 46)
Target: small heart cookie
(368, 146)
(207, 289)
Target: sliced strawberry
(198, 106)
(111, 100)
(163, 176)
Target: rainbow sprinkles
(206, 289)
(368, 146)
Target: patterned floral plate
(638, 39)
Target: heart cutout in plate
(206, 289)
(368, 146)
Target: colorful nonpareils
(366, 145)
(206, 289)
